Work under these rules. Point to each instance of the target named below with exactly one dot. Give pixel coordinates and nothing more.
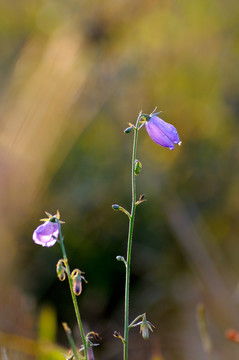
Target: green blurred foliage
(47, 324)
(73, 74)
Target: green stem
(70, 340)
(130, 238)
(68, 272)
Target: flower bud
(61, 275)
(137, 167)
(115, 207)
(60, 270)
(77, 285)
(120, 258)
(129, 129)
(77, 277)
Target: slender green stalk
(77, 312)
(70, 340)
(130, 238)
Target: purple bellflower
(46, 234)
(162, 133)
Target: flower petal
(162, 132)
(46, 234)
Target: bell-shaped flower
(162, 133)
(46, 234)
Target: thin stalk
(77, 312)
(70, 340)
(130, 238)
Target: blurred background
(72, 75)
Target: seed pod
(137, 167)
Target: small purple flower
(46, 234)
(162, 133)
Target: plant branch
(130, 238)
(74, 300)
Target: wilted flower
(162, 132)
(46, 234)
(117, 335)
(145, 326)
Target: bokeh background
(72, 75)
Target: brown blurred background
(72, 75)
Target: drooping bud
(77, 285)
(61, 270)
(137, 167)
(77, 281)
(115, 207)
(129, 129)
(120, 258)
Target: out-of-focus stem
(203, 330)
(70, 340)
